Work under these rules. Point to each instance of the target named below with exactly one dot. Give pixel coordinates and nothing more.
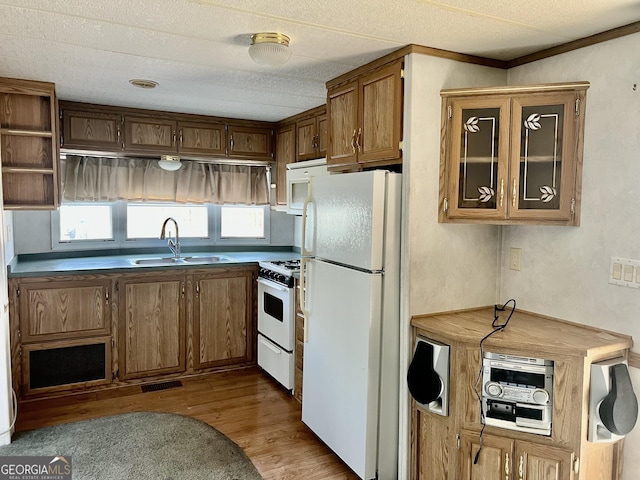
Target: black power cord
(497, 327)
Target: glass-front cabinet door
(479, 146)
(512, 154)
(542, 163)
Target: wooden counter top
(527, 332)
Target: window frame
(120, 240)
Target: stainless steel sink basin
(179, 261)
(158, 261)
(212, 259)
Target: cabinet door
(433, 448)
(251, 143)
(149, 134)
(543, 156)
(306, 149)
(494, 461)
(152, 326)
(477, 157)
(380, 126)
(542, 462)
(322, 136)
(202, 138)
(91, 130)
(68, 309)
(223, 318)
(285, 153)
(342, 111)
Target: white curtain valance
(100, 179)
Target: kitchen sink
(213, 259)
(158, 261)
(179, 261)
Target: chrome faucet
(174, 245)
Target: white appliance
(276, 319)
(8, 402)
(350, 279)
(298, 175)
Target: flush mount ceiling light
(141, 83)
(169, 162)
(269, 49)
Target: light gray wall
(565, 270)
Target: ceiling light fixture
(269, 49)
(141, 83)
(169, 162)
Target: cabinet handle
(182, 289)
(173, 140)
(521, 468)
(106, 296)
(359, 140)
(180, 137)
(197, 289)
(514, 194)
(506, 466)
(231, 141)
(501, 191)
(353, 141)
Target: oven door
(276, 310)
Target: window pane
(85, 222)
(245, 222)
(145, 220)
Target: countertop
(42, 266)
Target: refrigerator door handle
(303, 297)
(305, 207)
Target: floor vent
(161, 386)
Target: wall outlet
(515, 258)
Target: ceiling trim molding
(576, 44)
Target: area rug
(139, 446)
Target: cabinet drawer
(276, 361)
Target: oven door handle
(303, 297)
(273, 285)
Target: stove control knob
(493, 389)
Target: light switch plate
(515, 258)
(624, 272)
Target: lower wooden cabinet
(152, 326)
(75, 333)
(502, 457)
(223, 318)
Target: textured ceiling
(197, 49)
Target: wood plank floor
(246, 405)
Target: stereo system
(517, 392)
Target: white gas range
(276, 319)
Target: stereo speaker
(428, 375)
(613, 406)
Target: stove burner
(288, 264)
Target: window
(85, 222)
(120, 224)
(145, 220)
(242, 222)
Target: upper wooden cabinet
(365, 120)
(285, 153)
(513, 154)
(92, 130)
(312, 137)
(119, 130)
(29, 144)
(149, 134)
(252, 143)
(202, 138)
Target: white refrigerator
(351, 289)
